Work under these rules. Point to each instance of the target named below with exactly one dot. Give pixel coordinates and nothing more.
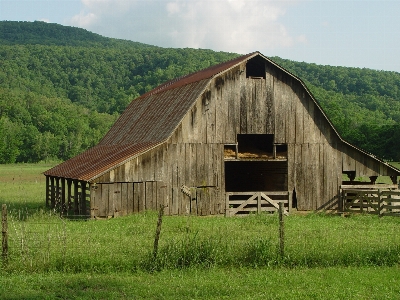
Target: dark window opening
(280, 151)
(250, 176)
(260, 146)
(255, 68)
(255, 145)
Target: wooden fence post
(158, 230)
(380, 203)
(281, 230)
(4, 230)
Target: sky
(350, 33)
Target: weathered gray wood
(124, 198)
(83, 198)
(76, 197)
(175, 182)
(229, 105)
(183, 203)
(63, 207)
(103, 201)
(48, 191)
(52, 194)
(136, 196)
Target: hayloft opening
(255, 68)
(255, 146)
(256, 163)
(249, 176)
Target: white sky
(352, 33)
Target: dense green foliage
(61, 88)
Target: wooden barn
(236, 137)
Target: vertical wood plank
(243, 108)
(52, 194)
(174, 184)
(63, 205)
(299, 177)
(136, 197)
(103, 205)
(83, 198)
(141, 196)
(124, 199)
(149, 195)
(48, 191)
(299, 120)
(76, 198)
(129, 198)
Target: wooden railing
(382, 202)
(246, 202)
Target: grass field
(326, 256)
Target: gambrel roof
(149, 121)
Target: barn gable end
(207, 139)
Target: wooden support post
(76, 198)
(341, 201)
(258, 203)
(69, 194)
(237, 151)
(57, 193)
(380, 202)
(83, 197)
(63, 206)
(4, 230)
(158, 230)
(227, 209)
(52, 193)
(281, 231)
(47, 191)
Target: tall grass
(39, 241)
(44, 243)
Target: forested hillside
(61, 88)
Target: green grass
(326, 256)
(236, 283)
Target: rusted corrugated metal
(97, 160)
(153, 118)
(200, 75)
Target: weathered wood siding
(194, 155)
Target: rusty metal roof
(96, 161)
(153, 118)
(147, 122)
(200, 75)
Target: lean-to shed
(201, 143)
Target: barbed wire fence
(53, 243)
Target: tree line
(61, 89)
